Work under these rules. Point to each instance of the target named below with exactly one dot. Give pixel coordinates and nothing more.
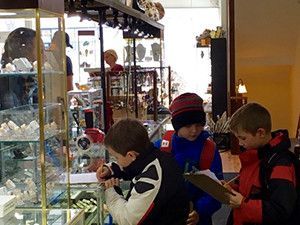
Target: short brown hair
(251, 117)
(127, 135)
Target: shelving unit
(219, 76)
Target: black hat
(68, 41)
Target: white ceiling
(266, 31)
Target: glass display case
(33, 118)
(90, 198)
(44, 217)
(81, 100)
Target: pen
(231, 180)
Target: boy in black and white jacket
(157, 194)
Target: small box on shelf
(203, 42)
(7, 204)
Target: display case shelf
(24, 74)
(21, 124)
(49, 217)
(16, 140)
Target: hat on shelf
(187, 109)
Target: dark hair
(19, 43)
(251, 117)
(127, 135)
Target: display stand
(33, 118)
(146, 98)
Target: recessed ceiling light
(7, 14)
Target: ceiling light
(7, 14)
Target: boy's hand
(193, 218)
(226, 185)
(102, 172)
(235, 200)
(111, 182)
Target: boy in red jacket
(254, 202)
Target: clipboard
(210, 186)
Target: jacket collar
(280, 142)
(138, 165)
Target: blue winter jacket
(187, 154)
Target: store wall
(271, 87)
(295, 85)
(268, 56)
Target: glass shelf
(21, 124)
(35, 138)
(34, 73)
(44, 217)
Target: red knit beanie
(187, 109)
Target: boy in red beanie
(187, 145)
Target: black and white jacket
(157, 195)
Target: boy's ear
(132, 154)
(261, 132)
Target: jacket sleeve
(206, 205)
(140, 203)
(283, 195)
(117, 172)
